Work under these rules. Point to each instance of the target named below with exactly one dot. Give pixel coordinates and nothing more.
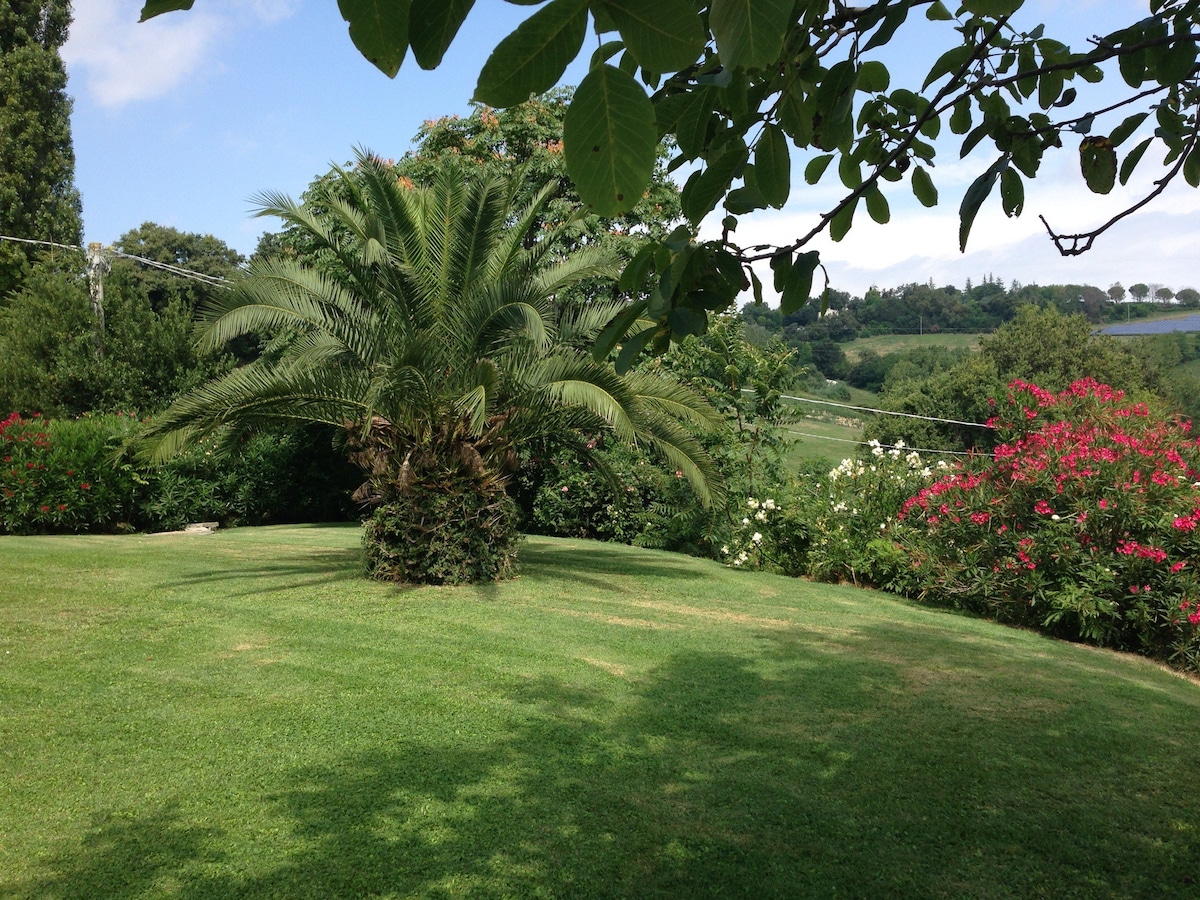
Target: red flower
(85, 486)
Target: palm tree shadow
(317, 567)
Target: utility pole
(96, 267)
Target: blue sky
(182, 120)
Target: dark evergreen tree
(38, 199)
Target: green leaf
(533, 58)
(816, 167)
(923, 187)
(633, 276)
(432, 25)
(1191, 167)
(973, 199)
(839, 227)
(894, 18)
(1122, 132)
(633, 348)
(993, 8)
(749, 33)
(793, 278)
(1098, 160)
(704, 189)
(615, 330)
(773, 166)
(1012, 192)
(850, 172)
(379, 29)
(950, 61)
(1172, 63)
(745, 199)
(960, 119)
(609, 140)
(691, 131)
(158, 7)
(877, 206)
(663, 35)
(937, 12)
(874, 77)
(1131, 161)
(1050, 87)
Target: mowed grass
(898, 343)
(829, 438)
(242, 715)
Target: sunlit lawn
(242, 715)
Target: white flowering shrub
(853, 509)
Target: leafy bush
(1085, 522)
(450, 527)
(59, 476)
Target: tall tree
(38, 199)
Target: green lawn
(242, 715)
(830, 439)
(898, 343)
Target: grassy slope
(241, 715)
(897, 343)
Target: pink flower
(1043, 508)
(565, 488)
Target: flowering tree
(1083, 522)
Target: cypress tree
(38, 198)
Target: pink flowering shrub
(1085, 522)
(58, 476)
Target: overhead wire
(211, 280)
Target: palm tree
(427, 331)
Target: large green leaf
(923, 187)
(533, 58)
(663, 35)
(379, 29)
(704, 189)
(609, 140)
(154, 8)
(993, 8)
(432, 25)
(749, 33)
(773, 166)
(974, 197)
(1098, 161)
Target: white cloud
(120, 60)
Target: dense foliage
(59, 476)
(38, 199)
(423, 323)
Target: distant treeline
(925, 309)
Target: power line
(883, 412)
(214, 280)
(6, 237)
(883, 446)
(211, 280)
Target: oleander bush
(1084, 522)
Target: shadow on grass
(313, 568)
(592, 562)
(791, 772)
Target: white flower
(725, 550)
(761, 515)
(737, 562)
(926, 472)
(756, 538)
(1056, 518)
(768, 503)
(745, 521)
(900, 445)
(752, 503)
(894, 453)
